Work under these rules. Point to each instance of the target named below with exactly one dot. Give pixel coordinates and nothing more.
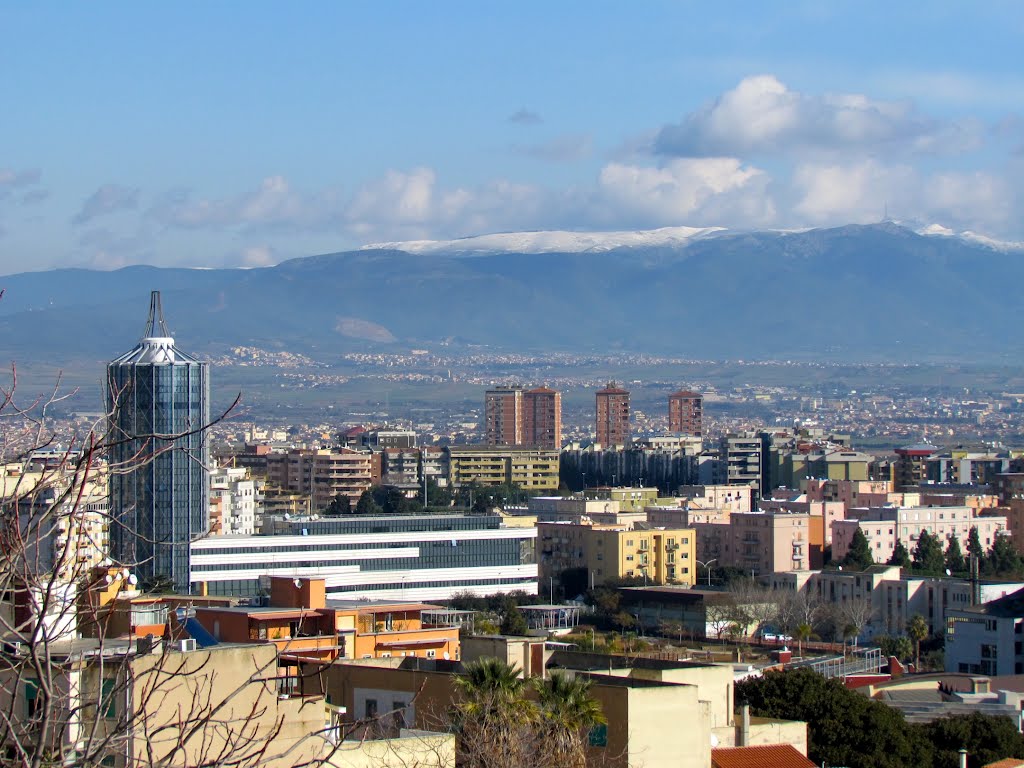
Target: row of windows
(251, 587)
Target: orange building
(503, 416)
(686, 413)
(301, 622)
(542, 418)
(612, 416)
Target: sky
(247, 133)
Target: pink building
(763, 542)
(852, 493)
(884, 525)
(828, 511)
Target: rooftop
(775, 755)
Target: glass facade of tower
(158, 401)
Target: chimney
(744, 739)
(963, 758)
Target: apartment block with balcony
(322, 474)
(529, 468)
(611, 552)
(740, 457)
(235, 503)
(503, 416)
(686, 413)
(766, 542)
(987, 639)
(612, 410)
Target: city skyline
(271, 134)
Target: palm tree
(803, 633)
(567, 714)
(493, 718)
(917, 628)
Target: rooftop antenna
(156, 318)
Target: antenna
(155, 325)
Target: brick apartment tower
(542, 418)
(686, 413)
(612, 415)
(503, 416)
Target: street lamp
(707, 567)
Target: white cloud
(861, 191)
(689, 190)
(762, 115)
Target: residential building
(883, 526)
(529, 468)
(322, 474)
(159, 486)
(542, 418)
(968, 467)
(686, 413)
(740, 455)
(302, 622)
(850, 493)
(643, 700)
(235, 505)
(770, 541)
(730, 498)
(503, 416)
(386, 557)
(612, 552)
(612, 416)
(911, 466)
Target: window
(31, 697)
(598, 736)
(107, 702)
(431, 653)
(371, 708)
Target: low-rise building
(987, 639)
(380, 557)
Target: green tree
(986, 738)
(340, 505)
(954, 556)
(567, 714)
(513, 622)
(900, 555)
(802, 633)
(1002, 558)
(366, 505)
(492, 717)
(917, 630)
(859, 554)
(844, 727)
(896, 645)
(974, 548)
(928, 556)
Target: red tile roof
(1006, 762)
(773, 756)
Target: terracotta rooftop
(1006, 762)
(773, 756)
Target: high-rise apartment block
(158, 399)
(503, 416)
(686, 413)
(542, 418)
(516, 416)
(612, 415)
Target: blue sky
(210, 134)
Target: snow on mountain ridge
(554, 241)
(937, 230)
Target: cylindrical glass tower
(158, 401)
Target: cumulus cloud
(524, 116)
(561, 149)
(11, 179)
(716, 190)
(762, 115)
(110, 198)
(860, 191)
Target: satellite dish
(447, 656)
(949, 572)
(297, 583)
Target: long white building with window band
(395, 557)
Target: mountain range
(880, 292)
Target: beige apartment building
(884, 525)
(610, 552)
(529, 468)
(322, 474)
(763, 542)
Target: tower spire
(155, 325)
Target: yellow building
(611, 552)
(529, 468)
